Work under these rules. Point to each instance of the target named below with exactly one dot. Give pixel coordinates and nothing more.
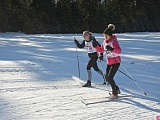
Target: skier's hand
(109, 48)
(101, 57)
(76, 42)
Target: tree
(75, 16)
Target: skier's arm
(116, 46)
(100, 48)
(95, 43)
(78, 44)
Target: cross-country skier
(111, 47)
(92, 54)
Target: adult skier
(92, 54)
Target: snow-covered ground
(36, 78)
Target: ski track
(27, 99)
(25, 96)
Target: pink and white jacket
(114, 56)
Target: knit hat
(109, 30)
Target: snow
(37, 71)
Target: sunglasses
(85, 34)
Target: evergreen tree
(75, 16)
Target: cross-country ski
(82, 82)
(102, 100)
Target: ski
(78, 80)
(105, 99)
(94, 85)
(82, 82)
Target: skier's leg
(89, 65)
(111, 71)
(95, 66)
(89, 75)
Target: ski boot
(104, 83)
(114, 96)
(88, 84)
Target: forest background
(75, 16)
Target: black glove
(101, 57)
(76, 42)
(95, 43)
(109, 48)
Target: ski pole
(131, 77)
(77, 61)
(104, 76)
(134, 80)
(125, 74)
(122, 73)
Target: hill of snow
(36, 79)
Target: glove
(76, 42)
(95, 43)
(109, 48)
(101, 57)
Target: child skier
(111, 47)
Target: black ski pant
(110, 73)
(93, 63)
